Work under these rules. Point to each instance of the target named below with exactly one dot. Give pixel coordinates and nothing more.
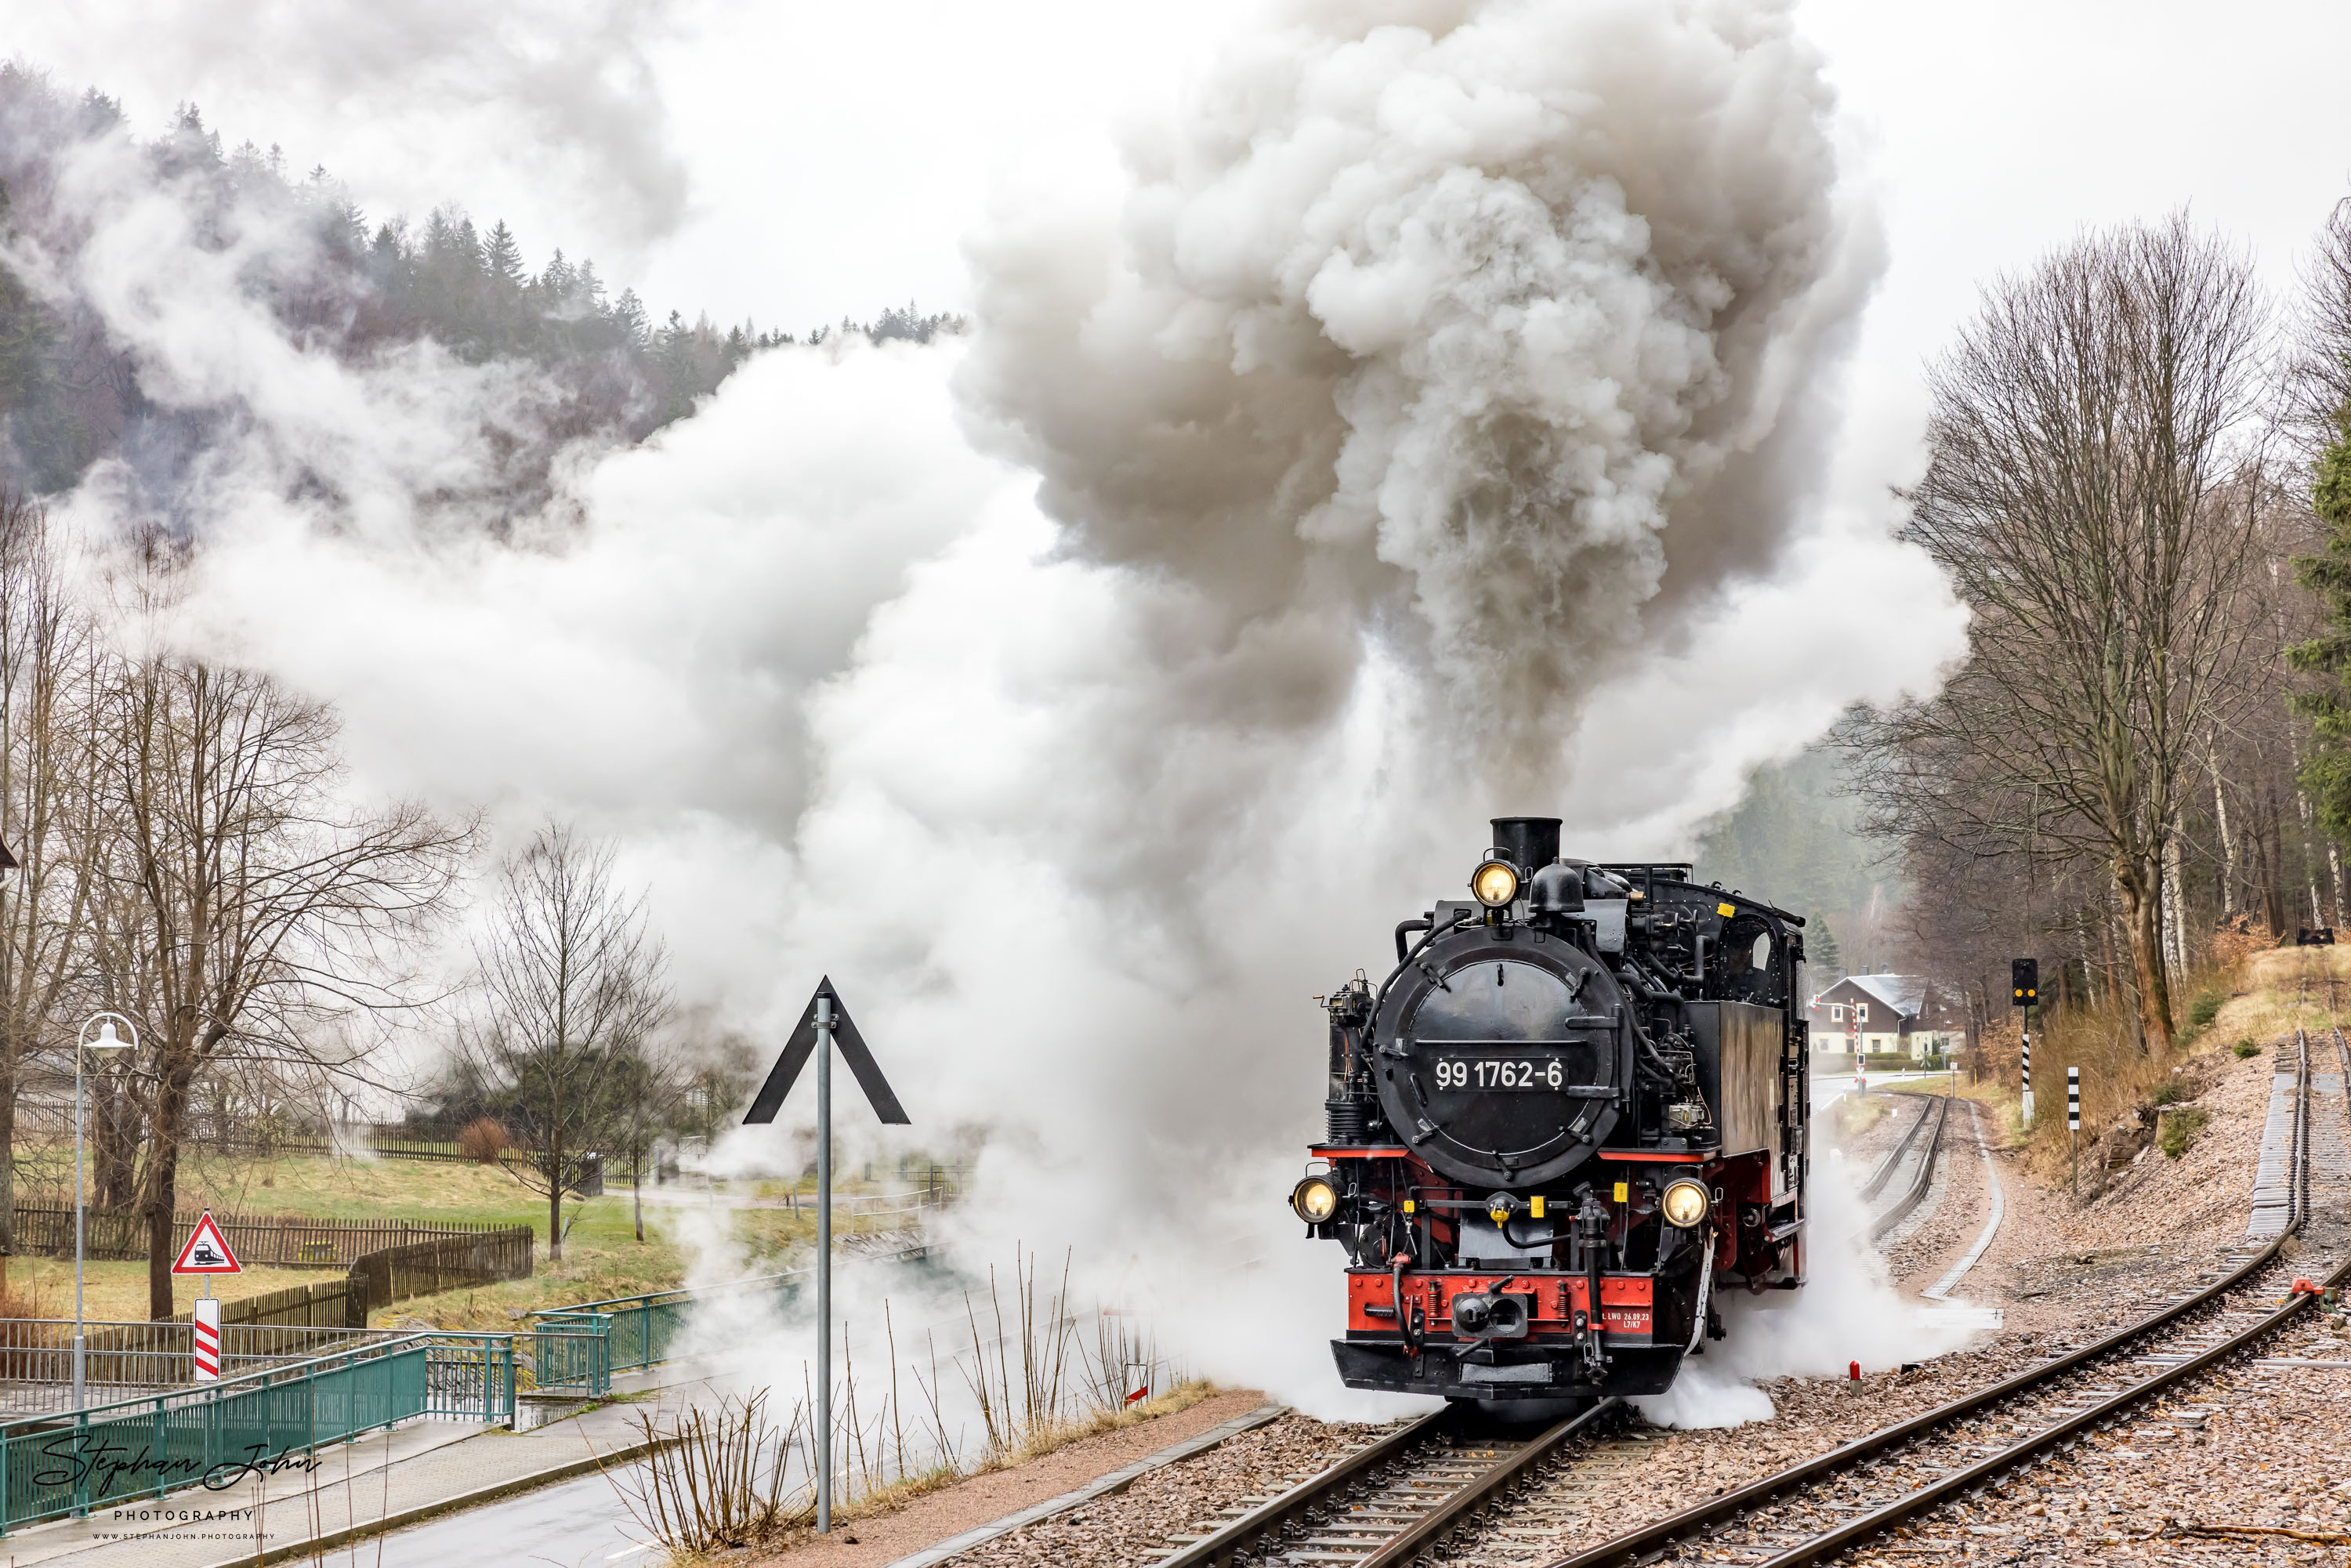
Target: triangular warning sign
(802, 1045)
(207, 1251)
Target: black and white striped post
(2073, 1119)
(2028, 1070)
(2024, 991)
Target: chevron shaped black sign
(796, 1051)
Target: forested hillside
(1793, 841)
(70, 395)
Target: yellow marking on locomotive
(1407, 1206)
(1726, 910)
(1534, 1206)
(1623, 1191)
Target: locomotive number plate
(1501, 1072)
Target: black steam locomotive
(1573, 1112)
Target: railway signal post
(2024, 991)
(823, 1025)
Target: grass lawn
(117, 1292)
(601, 1256)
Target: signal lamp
(1496, 883)
(1684, 1203)
(1315, 1199)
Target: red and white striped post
(208, 1339)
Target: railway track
(1936, 1112)
(1435, 1490)
(1876, 1182)
(1392, 1502)
(1851, 1496)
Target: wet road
(580, 1523)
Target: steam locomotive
(1572, 1114)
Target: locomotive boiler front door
(1507, 1067)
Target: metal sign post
(824, 1261)
(2073, 1119)
(824, 1025)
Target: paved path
(383, 1479)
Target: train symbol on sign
(207, 1251)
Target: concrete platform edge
(1118, 1480)
(565, 1471)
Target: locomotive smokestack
(1527, 842)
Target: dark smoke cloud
(1487, 330)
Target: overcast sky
(792, 161)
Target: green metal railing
(470, 1378)
(57, 1463)
(52, 1466)
(636, 1332)
(629, 1332)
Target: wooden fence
(283, 1240)
(328, 1304)
(443, 1263)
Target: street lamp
(107, 1039)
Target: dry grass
(715, 1480)
(1848, 1118)
(906, 1490)
(2265, 998)
(1062, 1434)
(117, 1292)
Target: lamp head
(107, 1039)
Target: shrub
(2204, 1009)
(2247, 1048)
(2171, 1093)
(482, 1140)
(2179, 1129)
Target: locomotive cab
(1572, 1114)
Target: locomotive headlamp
(1684, 1203)
(1496, 883)
(1315, 1199)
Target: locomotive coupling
(1489, 1315)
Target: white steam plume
(549, 107)
(1438, 388)
(1426, 320)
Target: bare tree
(652, 1087)
(2321, 380)
(572, 991)
(2093, 479)
(249, 908)
(50, 671)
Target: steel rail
(1260, 1530)
(1900, 1211)
(1686, 1528)
(1244, 1533)
(1427, 1531)
(1885, 1171)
